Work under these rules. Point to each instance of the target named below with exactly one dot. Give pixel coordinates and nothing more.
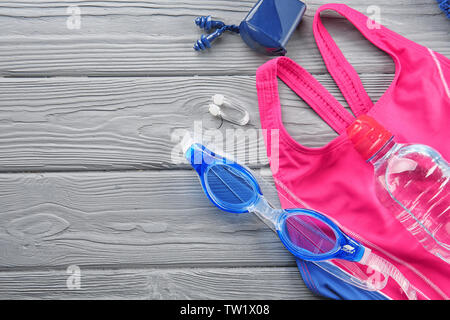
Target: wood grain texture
(205, 283)
(135, 123)
(155, 38)
(73, 146)
(131, 218)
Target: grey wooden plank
(155, 38)
(208, 283)
(131, 218)
(235, 8)
(128, 123)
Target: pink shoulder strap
(345, 76)
(304, 85)
(341, 70)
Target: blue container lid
(270, 24)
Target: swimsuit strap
(341, 70)
(305, 86)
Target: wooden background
(86, 117)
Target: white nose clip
(228, 110)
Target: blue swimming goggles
(307, 234)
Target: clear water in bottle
(412, 182)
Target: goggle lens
(229, 187)
(309, 233)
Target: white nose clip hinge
(228, 110)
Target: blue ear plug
(205, 41)
(206, 23)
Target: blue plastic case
(269, 25)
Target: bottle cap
(368, 136)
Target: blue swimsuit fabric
(325, 284)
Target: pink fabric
(334, 179)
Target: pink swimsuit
(334, 179)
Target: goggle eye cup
(307, 236)
(230, 187)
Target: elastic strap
(305, 86)
(341, 70)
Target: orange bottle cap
(368, 136)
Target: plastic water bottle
(412, 182)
